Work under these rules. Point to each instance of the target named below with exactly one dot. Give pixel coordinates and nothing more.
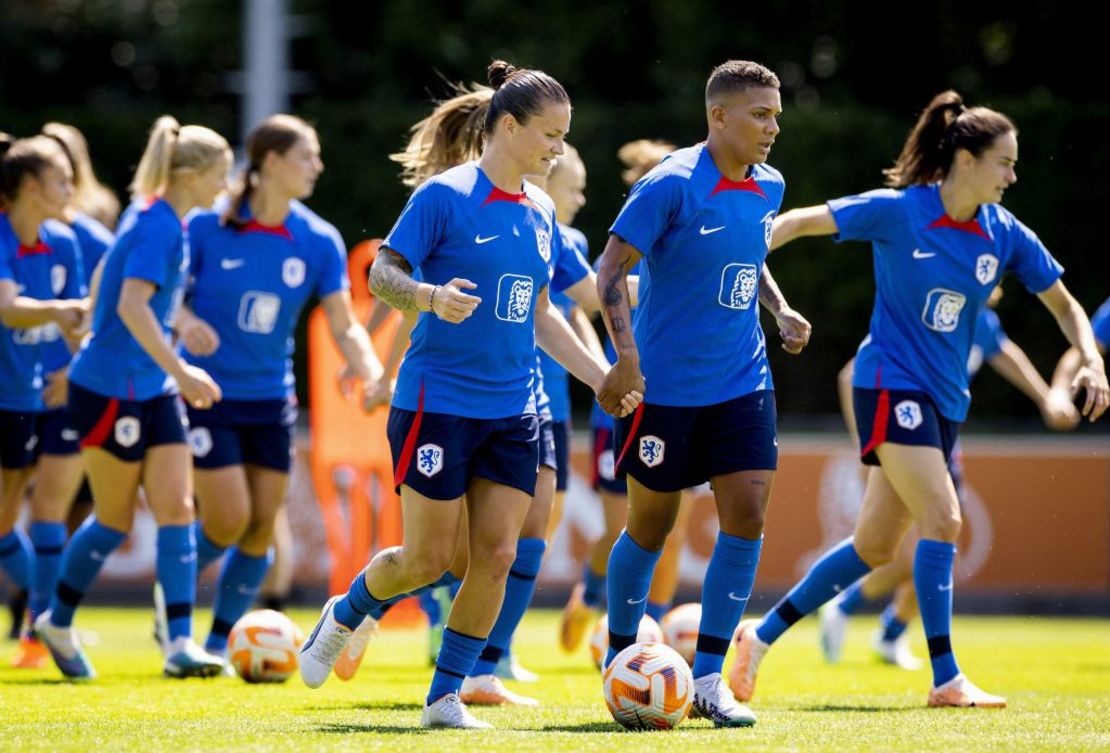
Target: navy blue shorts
(670, 448)
(903, 417)
(18, 439)
(561, 432)
(57, 434)
(242, 432)
(547, 443)
(605, 476)
(126, 428)
(436, 454)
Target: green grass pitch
(1056, 674)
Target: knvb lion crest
(293, 272)
(651, 450)
(986, 269)
(127, 431)
(429, 459)
(908, 414)
(543, 243)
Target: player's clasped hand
(622, 389)
(451, 304)
(794, 330)
(1093, 383)
(199, 338)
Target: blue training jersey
(568, 267)
(94, 239)
(704, 239)
(458, 224)
(1100, 323)
(250, 285)
(150, 246)
(49, 270)
(933, 276)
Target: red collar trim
(496, 194)
(748, 184)
(971, 226)
(254, 226)
(38, 248)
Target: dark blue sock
(656, 609)
(932, 577)
(81, 562)
(176, 568)
(725, 592)
(429, 604)
(456, 658)
(207, 551)
(17, 557)
(851, 598)
(48, 539)
(351, 609)
(892, 626)
(519, 588)
(838, 568)
(240, 578)
(595, 587)
(627, 583)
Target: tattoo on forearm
(391, 280)
(618, 324)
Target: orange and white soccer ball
(264, 645)
(648, 686)
(680, 630)
(649, 632)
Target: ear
(716, 116)
(510, 125)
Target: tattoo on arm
(618, 324)
(391, 280)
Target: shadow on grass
(368, 706)
(585, 727)
(377, 729)
(13, 680)
(856, 709)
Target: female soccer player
(124, 402)
(42, 304)
(91, 198)
(701, 221)
(941, 242)
(253, 268)
(463, 420)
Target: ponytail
(451, 135)
(520, 92)
(277, 133)
(174, 147)
(944, 127)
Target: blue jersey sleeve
(989, 335)
(570, 266)
(867, 216)
(152, 253)
(1031, 262)
(421, 225)
(651, 206)
(1100, 323)
(76, 286)
(6, 271)
(333, 264)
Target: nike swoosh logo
(97, 556)
(187, 558)
(919, 254)
(480, 240)
(637, 601)
(945, 588)
(70, 435)
(734, 597)
(232, 263)
(711, 230)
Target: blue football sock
(457, 655)
(176, 567)
(350, 610)
(519, 588)
(17, 557)
(656, 609)
(725, 592)
(627, 584)
(48, 539)
(383, 606)
(207, 551)
(932, 578)
(429, 604)
(851, 598)
(892, 626)
(240, 578)
(81, 562)
(595, 587)
(838, 568)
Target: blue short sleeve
(76, 285)
(1031, 262)
(152, 256)
(333, 264)
(6, 271)
(870, 216)
(647, 213)
(421, 226)
(570, 266)
(1100, 323)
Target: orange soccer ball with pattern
(264, 645)
(648, 632)
(680, 630)
(648, 686)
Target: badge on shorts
(606, 465)
(651, 450)
(908, 414)
(986, 268)
(429, 459)
(292, 272)
(200, 441)
(127, 431)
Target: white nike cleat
(449, 711)
(64, 647)
(184, 658)
(960, 692)
(834, 628)
(322, 649)
(346, 667)
(714, 701)
(750, 651)
(488, 690)
(896, 652)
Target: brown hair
(450, 136)
(735, 76)
(640, 156)
(945, 126)
(170, 148)
(520, 92)
(90, 195)
(22, 157)
(277, 133)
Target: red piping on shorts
(409, 447)
(631, 435)
(878, 428)
(99, 433)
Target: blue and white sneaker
(64, 648)
(715, 702)
(161, 629)
(322, 649)
(184, 658)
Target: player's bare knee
(875, 554)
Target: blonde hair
(171, 148)
(451, 135)
(90, 195)
(640, 156)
